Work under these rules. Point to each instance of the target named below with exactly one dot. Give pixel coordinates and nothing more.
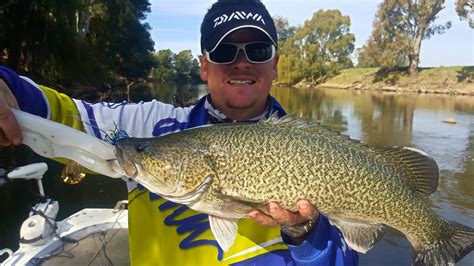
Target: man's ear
(203, 62)
(275, 66)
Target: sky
(175, 25)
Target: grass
(426, 76)
(351, 76)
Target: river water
(378, 119)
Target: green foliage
(186, 66)
(388, 46)
(164, 70)
(398, 30)
(317, 50)
(181, 67)
(87, 41)
(284, 30)
(290, 68)
(465, 10)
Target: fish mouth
(116, 167)
(123, 165)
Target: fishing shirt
(162, 232)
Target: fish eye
(140, 147)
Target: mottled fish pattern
(228, 170)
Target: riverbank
(458, 80)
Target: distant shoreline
(457, 80)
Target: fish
(228, 170)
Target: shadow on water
(378, 119)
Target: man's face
(240, 88)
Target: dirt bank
(442, 80)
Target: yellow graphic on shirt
(165, 233)
(63, 109)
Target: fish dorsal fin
(289, 121)
(224, 230)
(292, 122)
(420, 170)
(361, 237)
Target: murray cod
(229, 170)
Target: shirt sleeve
(28, 94)
(143, 119)
(324, 246)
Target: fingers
(262, 219)
(306, 209)
(10, 132)
(281, 216)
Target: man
(239, 62)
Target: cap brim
(215, 41)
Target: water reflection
(415, 120)
(379, 119)
(179, 95)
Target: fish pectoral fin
(361, 237)
(192, 196)
(238, 204)
(224, 230)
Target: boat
(92, 236)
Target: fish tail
(450, 249)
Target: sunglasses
(255, 52)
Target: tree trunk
(84, 18)
(415, 52)
(22, 10)
(129, 85)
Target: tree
(323, 45)
(284, 31)
(180, 67)
(186, 66)
(388, 46)
(289, 66)
(164, 70)
(407, 23)
(123, 42)
(290, 69)
(66, 41)
(465, 10)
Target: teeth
(241, 82)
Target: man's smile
(241, 82)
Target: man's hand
(9, 129)
(280, 216)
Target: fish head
(167, 165)
(150, 163)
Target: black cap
(222, 21)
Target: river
(378, 119)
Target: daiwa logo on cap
(238, 15)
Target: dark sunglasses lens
(259, 52)
(224, 53)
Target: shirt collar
(215, 116)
